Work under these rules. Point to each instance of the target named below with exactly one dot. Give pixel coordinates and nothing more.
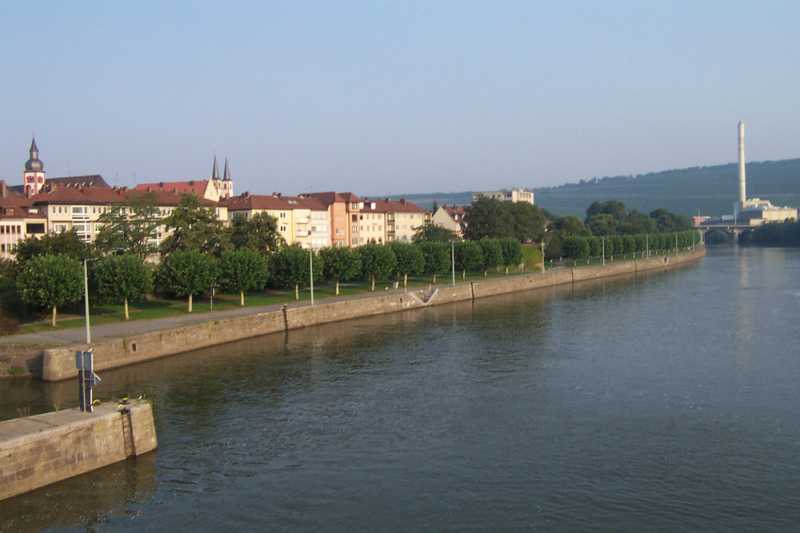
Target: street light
(311, 272)
(453, 260)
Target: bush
(290, 267)
(492, 253)
(512, 252)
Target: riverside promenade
(124, 343)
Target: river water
(667, 401)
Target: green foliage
(410, 260)
(437, 257)
(50, 281)
(628, 244)
(614, 208)
(531, 256)
(194, 226)
(595, 246)
(469, 256)
(122, 277)
(576, 247)
(65, 243)
(258, 233)
(242, 271)
(185, 273)
(528, 221)
(602, 224)
(290, 267)
(492, 253)
(568, 225)
(487, 217)
(431, 232)
(617, 245)
(670, 222)
(377, 261)
(341, 263)
(512, 252)
(129, 228)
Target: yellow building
(382, 221)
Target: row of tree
(586, 247)
(773, 234)
(52, 281)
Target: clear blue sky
(395, 96)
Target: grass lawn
(162, 307)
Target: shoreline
(57, 363)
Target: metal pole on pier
(453, 260)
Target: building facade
(385, 221)
(507, 195)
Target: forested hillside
(709, 190)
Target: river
(666, 401)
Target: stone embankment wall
(58, 363)
(39, 450)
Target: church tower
(33, 177)
(227, 182)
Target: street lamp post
(603, 244)
(453, 260)
(311, 272)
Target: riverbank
(143, 342)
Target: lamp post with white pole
(311, 272)
(453, 260)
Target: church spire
(34, 151)
(215, 170)
(226, 173)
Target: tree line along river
(663, 401)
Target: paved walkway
(134, 327)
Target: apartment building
(384, 221)
(344, 208)
(18, 221)
(507, 195)
(301, 220)
(79, 208)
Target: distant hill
(709, 190)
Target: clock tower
(33, 177)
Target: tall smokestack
(742, 177)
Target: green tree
(431, 232)
(512, 252)
(242, 271)
(50, 281)
(469, 257)
(185, 273)
(66, 243)
(569, 225)
(410, 260)
(529, 221)
(194, 226)
(377, 262)
(340, 264)
(258, 232)
(615, 208)
(492, 254)
(130, 227)
(602, 224)
(290, 267)
(637, 223)
(487, 217)
(122, 278)
(437, 257)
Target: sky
(388, 97)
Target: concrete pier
(36, 451)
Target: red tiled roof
(106, 196)
(391, 206)
(330, 197)
(248, 201)
(196, 187)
